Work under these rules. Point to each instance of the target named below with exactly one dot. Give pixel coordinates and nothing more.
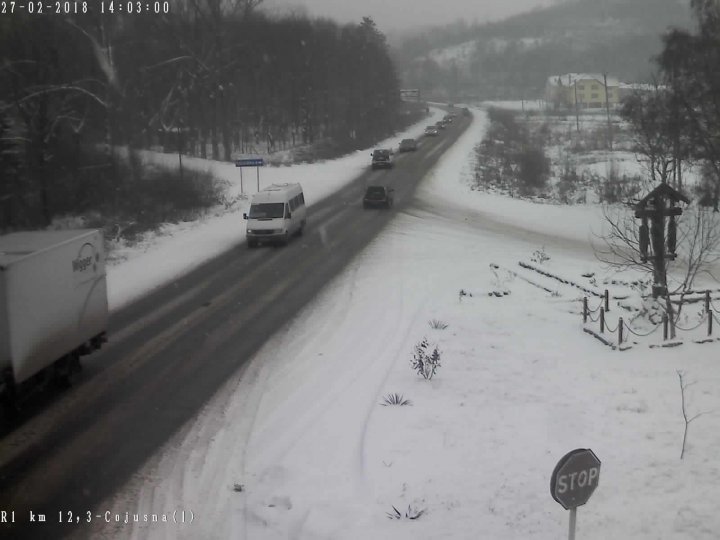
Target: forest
(210, 78)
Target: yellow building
(584, 90)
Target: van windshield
(267, 210)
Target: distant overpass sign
(410, 94)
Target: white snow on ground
(298, 445)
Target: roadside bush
(425, 361)
(511, 157)
(706, 190)
(128, 197)
(617, 189)
(533, 170)
(395, 399)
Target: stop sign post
(574, 480)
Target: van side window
(302, 198)
(292, 204)
(287, 210)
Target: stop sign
(575, 478)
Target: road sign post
(575, 478)
(250, 162)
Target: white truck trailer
(53, 305)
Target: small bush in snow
(395, 399)
(462, 293)
(539, 256)
(410, 513)
(436, 324)
(425, 361)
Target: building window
(595, 87)
(595, 96)
(581, 87)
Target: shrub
(539, 256)
(411, 513)
(533, 170)
(395, 399)
(425, 361)
(436, 324)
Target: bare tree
(684, 386)
(697, 241)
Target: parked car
(431, 131)
(382, 158)
(378, 197)
(408, 145)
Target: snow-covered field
(300, 444)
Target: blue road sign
(250, 162)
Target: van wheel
(286, 239)
(252, 244)
(301, 229)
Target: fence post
(710, 318)
(707, 301)
(585, 310)
(602, 320)
(620, 331)
(665, 327)
(607, 300)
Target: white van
(276, 213)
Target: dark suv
(378, 197)
(382, 159)
(408, 145)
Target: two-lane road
(169, 352)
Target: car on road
(378, 197)
(276, 213)
(382, 158)
(441, 125)
(408, 145)
(431, 131)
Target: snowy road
(172, 350)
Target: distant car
(431, 131)
(448, 118)
(378, 197)
(441, 125)
(408, 145)
(382, 158)
(466, 111)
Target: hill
(513, 58)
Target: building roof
(569, 79)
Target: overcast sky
(404, 14)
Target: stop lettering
(574, 480)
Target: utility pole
(607, 109)
(577, 113)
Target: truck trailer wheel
(8, 399)
(64, 368)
